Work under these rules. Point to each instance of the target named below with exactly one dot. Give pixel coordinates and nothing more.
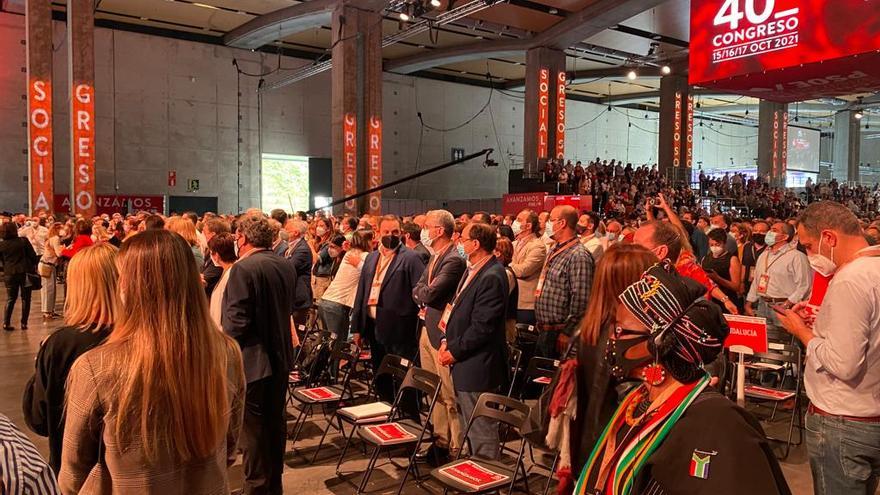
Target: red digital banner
(578, 202)
(374, 162)
(40, 149)
(109, 204)
(512, 204)
(744, 45)
(676, 131)
(83, 146)
(560, 115)
(543, 112)
(784, 144)
(349, 154)
(748, 332)
(689, 138)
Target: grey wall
(164, 104)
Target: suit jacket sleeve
(35, 404)
(82, 428)
(357, 315)
(488, 309)
(237, 304)
(447, 278)
(415, 268)
(533, 263)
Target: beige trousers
(445, 418)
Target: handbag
(535, 430)
(33, 281)
(45, 269)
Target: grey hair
(446, 220)
(298, 225)
(829, 215)
(257, 231)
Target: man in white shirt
(842, 375)
(782, 276)
(587, 225)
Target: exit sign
(193, 185)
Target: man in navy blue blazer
(384, 312)
(474, 344)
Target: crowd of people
(180, 332)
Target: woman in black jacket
(89, 311)
(18, 259)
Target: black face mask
(390, 241)
(580, 229)
(758, 238)
(615, 354)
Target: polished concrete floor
(18, 349)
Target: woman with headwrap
(673, 434)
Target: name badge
(423, 313)
(444, 318)
(763, 283)
(373, 300)
(540, 287)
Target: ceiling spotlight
(859, 115)
(435, 3)
(632, 75)
(666, 70)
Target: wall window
(285, 182)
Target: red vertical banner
(374, 163)
(560, 115)
(774, 174)
(689, 154)
(83, 142)
(349, 153)
(543, 112)
(40, 139)
(38, 22)
(676, 131)
(784, 144)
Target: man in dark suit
(256, 313)
(384, 313)
(474, 344)
(211, 273)
(280, 246)
(412, 238)
(433, 292)
(300, 255)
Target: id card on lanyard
(560, 249)
(764, 279)
(447, 311)
(376, 287)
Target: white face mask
(516, 227)
(716, 250)
(426, 238)
(611, 236)
(548, 228)
(823, 265)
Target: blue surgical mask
(770, 239)
(460, 249)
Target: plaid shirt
(566, 290)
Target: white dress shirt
(790, 275)
(843, 359)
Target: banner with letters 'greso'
(785, 50)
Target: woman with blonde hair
(158, 407)
(186, 229)
(47, 268)
(89, 312)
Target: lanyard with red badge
(423, 311)
(556, 252)
(764, 279)
(447, 311)
(376, 288)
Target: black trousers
(264, 435)
(385, 388)
(14, 287)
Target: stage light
(859, 115)
(435, 3)
(632, 75)
(666, 70)
(403, 16)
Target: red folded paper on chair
(389, 432)
(320, 393)
(473, 475)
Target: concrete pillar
(847, 146)
(81, 71)
(676, 136)
(356, 83)
(773, 141)
(545, 69)
(39, 71)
